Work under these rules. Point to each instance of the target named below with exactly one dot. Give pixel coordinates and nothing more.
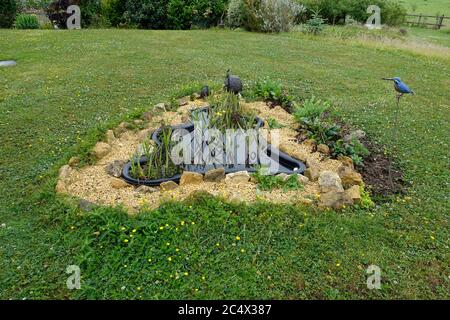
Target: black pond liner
(287, 164)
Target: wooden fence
(421, 20)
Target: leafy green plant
(268, 182)
(353, 149)
(158, 162)
(311, 108)
(273, 124)
(26, 21)
(366, 200)
(274, 92)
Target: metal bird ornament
(233, 83)
(400, 86)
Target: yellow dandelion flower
(193, 222)
(186, 274)
(161, 228)
(238, 238)
(168, 244)
(134, 231)
(182, 223)
(123, 228)
(177, 250)
(126, 240)
(242, 250)
(217, 244)
(139, 288)
(167, 225)
(150, 260)
(432, 238)
(72, 227)
(203, 278)
(169, 258)
(338, 264)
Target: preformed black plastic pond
(284, 163)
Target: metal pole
(394, 138)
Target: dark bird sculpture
(233, 83)
(205, 92)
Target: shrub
(146, 14)
(278, 15)
(236, 14)
(90, 12)
(113, 11)
(263, 15)
(335, 11)
(8, 10)
(26, 21)
(315, 25)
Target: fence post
(441, 22)
(420, 18)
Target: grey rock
(215, 175)
(115, 168)
(355, 135)
(330, 181)
(146, 189)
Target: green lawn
(68, 87)
(430, 7)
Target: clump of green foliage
(318, 122)
(274, 124)
(158, 163)
(226, 112)
(267, 182)
(8, 10)
(315, 24)
(26, 21)
(274, 92)
(366, 200)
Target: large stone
(110, 137)
(354, 193)
(302, 179)
(330, 181)
(169, 185)
(334, 199)
(101, 149)
(312, 173)
(238, 177)
(346, 161)
(115, 168)
(190, 178)
(311, 162)
(323, 148)
(160, 107)
(148, 116)
(65, 172)
(291, 148)
(61, 187)
(123, 127)
(74, 161)
(283, 176)
(215, 175)
(145, 189)
(355, 135)
(349, 177)
(117, 183)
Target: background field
(68, 87)
(431, 7)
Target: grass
(57, 103)
(430, 7)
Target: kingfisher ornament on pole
(401, 88)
